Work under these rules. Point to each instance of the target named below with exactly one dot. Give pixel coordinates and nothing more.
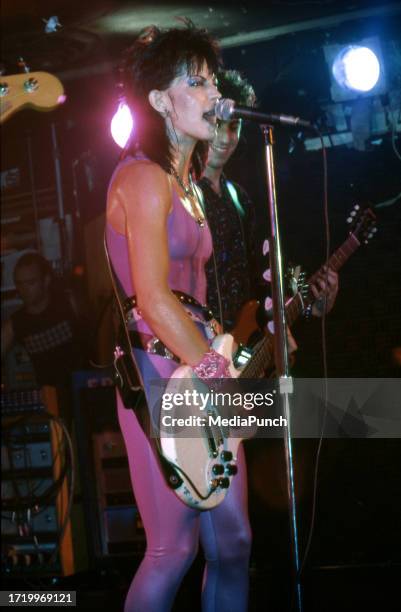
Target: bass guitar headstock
(39, 90)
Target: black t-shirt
(52, 340)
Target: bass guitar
(205, 465)
(38, 90)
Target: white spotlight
(356, 68)
(121, 125)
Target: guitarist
(234, 272)
(158, 242)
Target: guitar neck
(298, 303)
(262, 357)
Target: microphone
(226, 110)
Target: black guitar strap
(127, 375)
(129, 380)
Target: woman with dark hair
(158, 243)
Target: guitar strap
(129, 381)
(234, 196)
(241, 216)
(201, 200)
(240, 211)
(127, 375)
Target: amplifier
(113, 524)
(119, 519)
(30, 456)
(34, 487)
(42, 521)
(14, 403)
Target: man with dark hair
(232, 271)
(46, 325)
(235, 272)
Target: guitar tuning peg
(356, 207)
(353, 213)
(349, 220)
(374, 230)
(268, 304)
(267, 275)
(22, 65)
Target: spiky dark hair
(153, 61)
(232, 85)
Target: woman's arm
(138, 206)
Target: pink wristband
(212, 365)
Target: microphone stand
(281, 352)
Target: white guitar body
(209, 462)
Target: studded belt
(184, 298)
(150, 343)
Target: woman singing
(158, 243)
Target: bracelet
(212, 365)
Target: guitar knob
(214, 483)
(218, 469)
(4, 89)
(224, 483)
(226, 455)
(231, 469)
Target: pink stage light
(121, 125)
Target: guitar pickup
(242, 356)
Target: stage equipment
(356, 69)
(112, 522)
(37, 483)
(121, 125)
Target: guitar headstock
(40, 90)
(363, 223)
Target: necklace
(191, 194)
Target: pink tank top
(190, 246)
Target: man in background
(236, 272)
(47, 325)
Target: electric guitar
(363, 228)
(39, 90)
(205, 465)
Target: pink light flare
(121, 125)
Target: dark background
(355, 554)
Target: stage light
(356, 68)
(122, 125)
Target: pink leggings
(173, 531)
